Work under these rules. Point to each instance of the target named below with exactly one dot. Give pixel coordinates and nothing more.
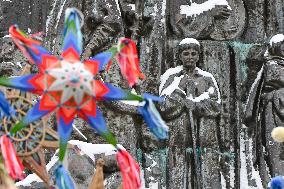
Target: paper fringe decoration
(154, 121)
(12, 163)
(129, 169)
(128, 61)
(63, 179)
(153, 118)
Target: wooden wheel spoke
(30, 139)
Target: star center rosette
(71, 88)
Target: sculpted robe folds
(190, 152)
(264, 112)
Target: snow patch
(174, 85)
(247, 159)
(189, 41)
(232, 176)
(117, 4)
(154, 13)
(108, 5)
(203, 96)
(223, 181)
(49, 17)
(19, 64)
(163, 13)
(86, 148)
(62, 4)
(76, 129)
(207, 74)
(7, 36)
(276, 39)
(132, 6)
(196, 9)
(258, 77)
(166, 76)
(91, 149)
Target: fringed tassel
(12, 163)
(24, 42)
(63, 179)
(128, 61)
(277, 183)
(129, 169)
(153, 118)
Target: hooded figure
(265, 111)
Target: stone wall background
(234, 63)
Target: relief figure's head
(188, 53)
(276, 45)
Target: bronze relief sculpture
(207, 19)
(264, 111)
(192, 102)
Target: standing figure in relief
(265, 111)
(192, 102)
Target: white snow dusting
(247, 159)
(163, 13)
(76, 129)
(62, 4)
(49, 16)
(154, 13)
(276, 39)
(86, 148)
(132, 6)
(258, 77)
(203, 96)
(223, 181)
(166, 75)
(117, 4)
(196, 9)
(90, 149)
(189, 41)
(207, 74)
(7, 36)
(174, 85)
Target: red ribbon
(129, 61)
(12, 163)
(129, 169)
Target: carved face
(189, 58)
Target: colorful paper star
(67, 86)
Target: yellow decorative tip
(278, 134)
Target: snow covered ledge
(88, 149)
(197, 9)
